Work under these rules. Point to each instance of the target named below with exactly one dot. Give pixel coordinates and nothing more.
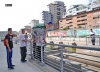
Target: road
(20, 67)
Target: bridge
(56, 58)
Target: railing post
(31, 49)
(61, 56)
(99, 41)
(86, 40)
(42, 55)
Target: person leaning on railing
(48, 25)
(41, 34)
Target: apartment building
(34, 22)
(88, 17)
(46, 17)
(83, 20)
(58, 10)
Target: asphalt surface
(19, 66)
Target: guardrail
(66, 38)
(97, 40)
(67, 58)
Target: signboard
(55, 33)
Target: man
(9, 46)
(23, 49)
(41, 38)
(48, 25)
(92, 35)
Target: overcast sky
(23, 11)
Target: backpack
(5, 41)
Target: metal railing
(67, 58)
(89, 42)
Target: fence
(97, 40)
(67, 58)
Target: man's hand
(9, 50)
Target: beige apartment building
(88, 19)
(58, 10)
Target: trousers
(23, 51)
(9, 57)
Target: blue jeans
(9, 57)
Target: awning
(39, 26)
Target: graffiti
(54, 33)
(82, 32)
(97, 31)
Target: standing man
(9, 46)
(23, 49)
(92, 35)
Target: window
(81, 16)
(64, 10)
(58, 17)
(69, 19)
(58, 9)
(58, 13)
(69, 23)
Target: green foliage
(65, 28)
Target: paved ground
(20, 67)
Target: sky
(23, 11)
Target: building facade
(34, 22)
(46, 17)
(58, 10)
(27, 29)
(84, 18)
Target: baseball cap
(49, 23)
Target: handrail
(79, 47)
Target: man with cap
(48, 25)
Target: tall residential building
(57, 9)
(34, 23)
(46, 17)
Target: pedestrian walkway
(20, 67)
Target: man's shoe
(10, 68)
(24, 61)
(13, 65)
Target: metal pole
(42, 55)
(31, 49)
(61, 61)
(99, 40)
(86, 40)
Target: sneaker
(24, 61)
(10, 68)
(13, 65)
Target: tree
(79, 26)
(65, 28)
